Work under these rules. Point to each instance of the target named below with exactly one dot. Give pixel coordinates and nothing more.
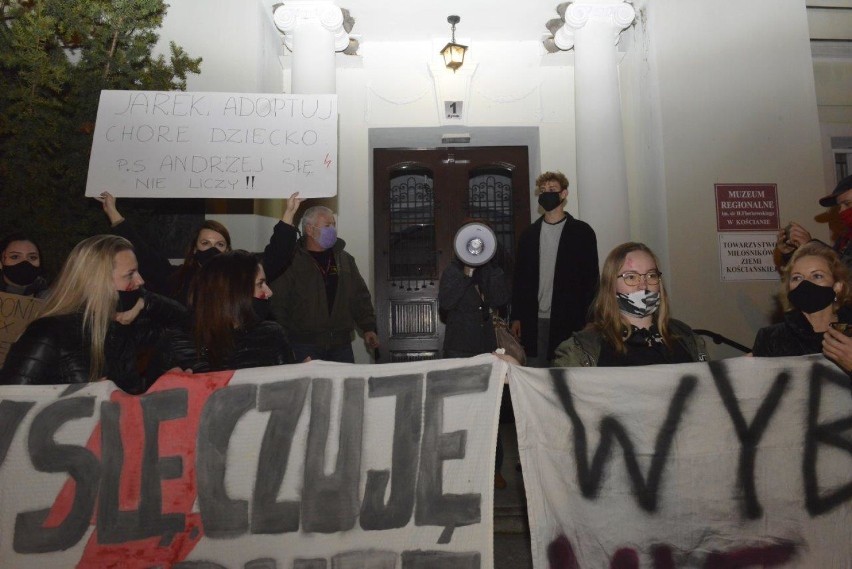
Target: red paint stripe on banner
(176, 438)
(145, 553)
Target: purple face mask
(327, 237)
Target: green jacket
(583, 348)
(300, 305)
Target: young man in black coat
(556, 274)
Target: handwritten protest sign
(214, 145)
(741, 463)
(15, 313)
(302, 466)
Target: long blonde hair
(606, 315)
(86, 285)
(838, 269)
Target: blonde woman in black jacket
(815, 294)
(95, 322)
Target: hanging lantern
(453, 52)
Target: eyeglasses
(633, 279)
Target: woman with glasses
(631, 325)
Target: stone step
(510, 519)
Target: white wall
(730, 97)
(833, 77)
(712, 92)
(395, 99)
(236, 39)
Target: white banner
(735, 464)
(303, 466)
(174, 144)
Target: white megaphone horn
(475, 244)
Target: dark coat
(55, 350)
(583, 348)
(575, 283)
(794, 336)
(162, 277)
(469, 330)
(261, 344)
(300, 303)
(38, 288)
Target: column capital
(287, 18)
(616, 13)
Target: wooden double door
(421, 198)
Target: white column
(592, 29)
(313, 32)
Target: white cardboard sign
(174, 144)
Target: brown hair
(85, 284)
(839, 272)
(606, 315)
(557, 177)
(182, 280)
(221, 300)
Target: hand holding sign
(292, 205)
(110, 209)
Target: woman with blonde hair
(816, 298)
(94, 322)
(631, 322)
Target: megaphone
(475, 244)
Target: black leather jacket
(261, 344)
(55, 349)
(794, 336)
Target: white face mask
(640, 304)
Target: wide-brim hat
(842, 187)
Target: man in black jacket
(556, 274)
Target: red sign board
(746, 207)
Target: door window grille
(412, 251)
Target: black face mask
(127, 299)
(549, 200)
(810, 298)
(204, 257)
(22, 274)
(261, 307)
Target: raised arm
(278, 254)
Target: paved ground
(511, 533)
(512, 551)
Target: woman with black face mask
(815, 294)
(210, 239)
(229, 302)
(20, 267)
(96, 321)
